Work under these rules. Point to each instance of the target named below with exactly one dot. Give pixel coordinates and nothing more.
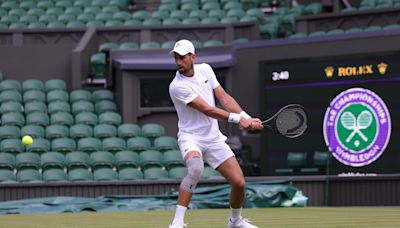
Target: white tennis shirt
(184, 90)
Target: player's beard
(186, 70)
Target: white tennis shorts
(215, 153)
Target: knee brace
(195, 166)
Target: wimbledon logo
(357, 127)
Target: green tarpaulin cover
(258, 195)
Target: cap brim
(179, 52)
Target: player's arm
(214, 112)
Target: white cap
(183, 47)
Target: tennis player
(193, 92)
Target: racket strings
(292, 122)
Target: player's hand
(251, 124)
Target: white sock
(235, 213)
(179, 214)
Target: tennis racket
(290, 121)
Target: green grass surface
(269, 217)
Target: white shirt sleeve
(211, 75)
(183, 94)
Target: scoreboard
(353, 105)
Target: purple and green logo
(357, 127)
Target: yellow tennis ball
(27, 140)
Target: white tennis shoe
(240, 223)
(178, 225)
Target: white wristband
(234, 117)
(245, 115)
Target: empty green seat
(151, 22)
(138, 144)
(313, 8)
(198, 14)
(94, 23)
(54, 84)
(79, 131)
(105, 106)
(153, 130)
(110, 9)
(65, 18)
(132, 22)
(86, 17)
(129, 130)
(102, 159)
(127, 159)
(34, 95)
(29, 176)
(87, 118)
(63, 145)
(217, 13)
(7, 176)
(150, 45)
(105, 174)
(164, 143)
(35, 106)
(33, 130)
(32, 84)
(104, 94)
(209, 20)
(160, 14)
(122, 16)
(177, 173)
(10, 95)
(51, 160)
(13, 146)
(58, 106)
(56, 131)
(11, 106)
(171, 21)
(172, 158)
(102, 131)
(98, 64)
(92, 10)
(27, 160)
(151, 158)
(54, 175)
(229, 20)
(179, 14)
(62, 118)
(239, 13)
(295, 161)
(35, 11)
(112, 118)
(7, 161)
(13, 118)
(130, 174)
(189, 21)
(27, 19)
(75, 24)
(39, 145)
(37, 118)
(80, 174)
(9, 132)
(113, 144)
(155, 173)
(113, 22)
(89, 144)
(141, 15)
(77, 159)
(212, 43)
(57, 95)
(82, 106)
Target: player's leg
(195, 166)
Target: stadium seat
(51, 160)
(34, 95)
(39, 145)
(56, 131)
(13, 146)
(236, 12)
(229, 20)
(129, 130)
(7, 161)
(111, 118)
(107, 46)
(150, 45)
(87, 118)
(58, 106)
(104, 94)
(212, 43)
(35, 11)
(98, 64)
(295, 161)
(75, 24)
(177, 173)
(210, 20)
(160, 14)
(33, 130)
(105, 106)
(82, 106)
(57, 95)
(79, 131)
(10, 95)
(210, 173)
(94, 10)
(155, 173)
(319, 163)
(217, 13)
(188, 21)
(54, 175)
(94, 23)
(77, 159)
(13, 118)
(27, 19)
(164, 143)
(79, 95)
(63, 145)
(89, 144)
(10, 132)
(10, 84)
(87, 17)
(11, 106)
(172, 158)
(130, 174)
(105, 174)
(151, 22)
(32, 84)
(27, 160)
(152, 130)
(7, 176)
(125, 46)
(127, 159)
(102, 159)
(80, 174)
(35, 106)
(65, 18)
(121, 16)
(113, 144)
(62, 118)
(102, 131)
(29, 176)
(199, 14)
(141, 15)
(55, 84)
(168, 21)
(138, 144)
(151, 158)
